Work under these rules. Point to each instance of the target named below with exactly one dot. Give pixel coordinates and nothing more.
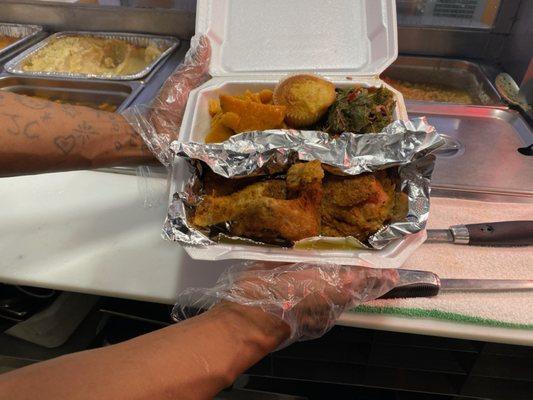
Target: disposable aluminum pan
(165, 43)
(22, 32)
(403, 144)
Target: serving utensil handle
(506, 233)
(412, 283)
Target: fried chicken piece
(216, 185)
(356, 206)
(269, 210)
(401, 206)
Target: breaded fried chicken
(356, 206)
(273, 209)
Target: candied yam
(218, 132)
(230, 120)
(253, 116)
(214, 107)
(251, 96)
(266, 96)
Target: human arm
(256, 311)
(194, 359)
(38, 135)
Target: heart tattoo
(65, 143)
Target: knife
(505, 233)
(413, 283)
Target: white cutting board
(91, 232)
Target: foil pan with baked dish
(93, 55)
(13, 35)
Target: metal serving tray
(481, 155)
(459, 74)
(90, 93)
(15, 65)
(23, 32)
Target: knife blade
(413, 283)
(504, 233)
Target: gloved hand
(159, 123)
(308, 298)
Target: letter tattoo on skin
(27, 130)
(15, 128)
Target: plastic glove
(308, 298)
(159, 123)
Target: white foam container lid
(356, 37)
(255, 43)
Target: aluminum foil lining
(404, 144)
(22, 32)
(166, 44)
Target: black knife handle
(506, 233)
(413, 290)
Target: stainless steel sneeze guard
(169, 44)
(20, 31)
(404, 144)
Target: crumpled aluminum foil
(404, 144)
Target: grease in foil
(404, 144)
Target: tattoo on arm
(46, 116)
(84, 131)
(65, 143)
(15, 128)
(28, 130)
(67, 136)
(80, 135)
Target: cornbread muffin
(306, 97)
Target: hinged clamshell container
(256, 43)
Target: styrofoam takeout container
(254, 45)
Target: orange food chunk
(266, 96)
(253, 116)
(218, 132)
(230, 120)
(214, 107)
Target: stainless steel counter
(481, 156)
